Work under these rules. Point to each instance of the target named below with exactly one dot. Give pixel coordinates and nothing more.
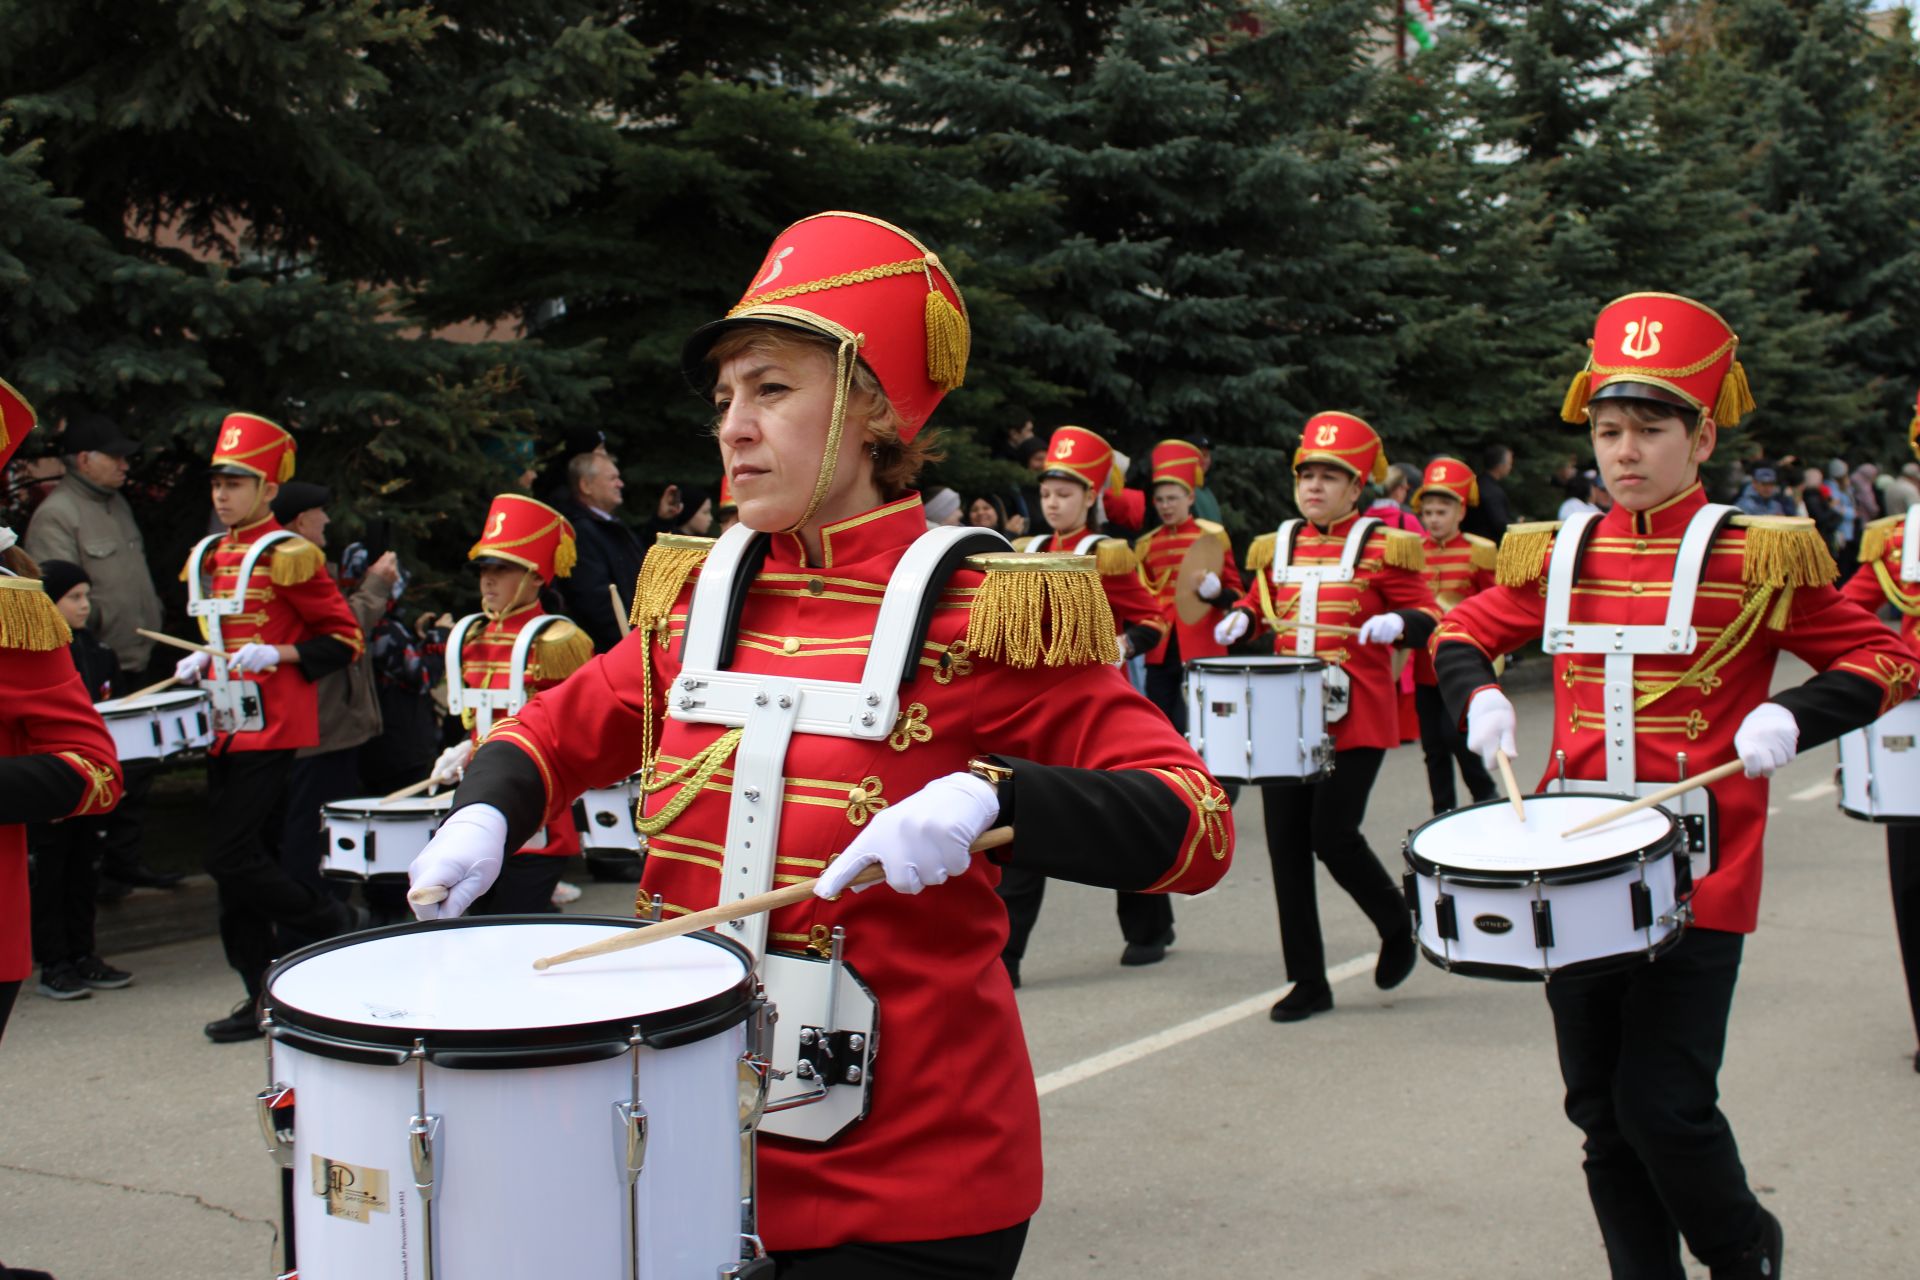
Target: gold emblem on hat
(1327, 434)
(1066, 448)
(231, 440)
(499, 523)
(1643, 339)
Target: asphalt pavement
(1412, 1133)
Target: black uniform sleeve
(321, 656)
(1419, 630)
(1462, 669)
(506, 778)
(1142, 637)
(38, 789)
(1830, 704)
(1118, 829)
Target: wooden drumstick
(178, 643)
(698, 920)
(1333, 627)
(155, 687)
(619, 611)
(404, 792)
(1513, 788)
(1661, 796)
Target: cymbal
(1205, 556)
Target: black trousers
(1903, 870)
(1445, 746)
(1323, 819)
(1640, 1053)
(1145, 918)
(246, 798)
(8, 990)
(525, 887)
(1166, 687)
(314, 781)
(123, 827)
(994, 1255)
(60, 898)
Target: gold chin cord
(843, 360)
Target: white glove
(1766, 739)
(190, 668)
(1382, 628)
(922, 840)
(1208, 587)
(1490, 727)
(1231, 627)
(463, 857)
(255, 657)
(452, 763)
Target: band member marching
(1081, 472)
(1642, 677)
(57, 759)
(1889, 574)
(1336, 566)
(263, 596)
(1177, 475)
(983, 694)
(524, 545)
(1458, 565)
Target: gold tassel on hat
(1260, 553)
(1735, 400)
(1579, 392)
(566, 554)
(286, 466)
(948, 341)
(1876, 536)
(1406, 550)
(1785, 551)
(295, 560)
(670, 562)
(28, 619)
(1114, 557)
(1523, 553)
(1045, 610)
(561, 649)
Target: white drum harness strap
(483, 703)
(1309, 577)
(236, 703)
(1910, 552)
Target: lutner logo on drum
(1490, 923)
(350, 1190)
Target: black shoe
(615, 870)
(109, 890)
(1916, 1053)
(100, 975)
(1301, 1002)
(242, 1024)
(1013, 970)
(1398, 954)
(142, 876)
(21, 1273)
(1761, 1261)
(1138, 953)
(62, 982)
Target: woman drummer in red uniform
(1009, 712)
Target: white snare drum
(606, 818)
(1880, 768)
(1492, 898)
(460, 1115)
(368, 840)
(1260, 720)
(155, 726)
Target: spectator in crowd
(987, 511)
(610, 552)
(1018, 430)
(1391, 506)
(1762, 496)
(1579, 497)
(400, 658)
(1816, 503)
(61, 854)
(1491, 518)
(1031, 453)
(1866, 496)
(942, 507)
(695, 518)
(1902, 491)
(1846, 531)
(1597, 492)
(86, 521)
(1205, 505)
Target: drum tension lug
(276, 1122)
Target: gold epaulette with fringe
(1523, 552)
(1877, 537)
(1040, 610)
(295, 560)
(1114, 557)
(1217, 530)
(1785, 551)
(28, 618)
(1405, 549)
(1260, 553)
(1484, 554)
(671, 560)
(559, 650)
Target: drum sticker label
(1897, 741)
(1490, 923)
(351, 1191)
(1223, 709)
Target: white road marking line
(1133, 1051)
(1814, 792)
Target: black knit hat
(61, 576)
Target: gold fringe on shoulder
(1785, 551)
(28, 619)
(1114, 557)
(295, 560)
(1877, 537)
(1260, 553)
(1406, 549)
(560, 650)
(671, 560)
(1523, 552)
(1484, 554)
(1040, 610)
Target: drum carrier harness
(1307, 606)
(482, 703)
(237, 704)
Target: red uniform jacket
(1458, 568)
(292, 599)
(486, 662)
(1389, 578)
(1160, 551)
(56, 761)
(1765, 588)
(1877, 581)
(1101, 782)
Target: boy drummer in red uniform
(293, 627)
(1177, 475)
(56, 758)
(1081, 472)
(1007, 710)
(1339, 567)
(1459, 565)
(1640, 1049)
(523, 546)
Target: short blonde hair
(897, 463)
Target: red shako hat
(1661, 346)
(530, 534)
(16, 419)
(1079, 454)
(250, 445)
(1179, 462)
(1450, 478)
(1344, 440)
